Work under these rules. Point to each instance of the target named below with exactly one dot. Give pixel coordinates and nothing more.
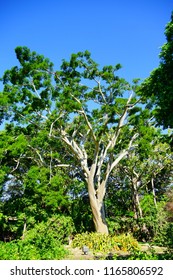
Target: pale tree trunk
(154, 193)
(24, 230)
(98, 219)
(136, 201)
(137, 206)
(97, 207)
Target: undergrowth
(98, 242)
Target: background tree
(32, 188)
(137, 186)
(158, 87)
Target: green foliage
(155, 226)
(69, 126)
(164, 232)
(105, 243)
(157, 89)
(60, 227)
(83, 218)
(50, 191)
(150, 254)
(79, 108)
(44, 241)
(47, 248)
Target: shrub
(60, 227)
(105, 243)
(9, 251)
(22, 250)
(145, 255)
(44, 241)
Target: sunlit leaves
(82, 117)
(27, 87)
(158, 87)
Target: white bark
(103, 162)
(136, 201)
(154, 193)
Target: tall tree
(158, 87)
(81, 105)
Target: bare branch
(42, 116)
(99, 165)
(76, 150)
(117, 160)
(121, 121)
(89, 126)
(113, 139)
(59, 79)
(62, 165)
(85, 117)
(17, 165)
(112, 165)
(37, 152)
(50, 167)
(100, 90)
(38, 95)
(52, 125)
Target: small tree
(143, 165)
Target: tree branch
(100, 90)
(17, 165)
(85, 117)
(38, 95)
(77, 151)
(39, 155)
(121, 121)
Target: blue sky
(123, 31)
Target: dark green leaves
(158, 88)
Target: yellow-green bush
(105, 243)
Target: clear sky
(129, 32)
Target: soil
(77, 254)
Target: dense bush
(165, 236)
(151, 254)
(60, 227)
(44, 241)
(98, 242)
(156, 225)
(46, 248)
